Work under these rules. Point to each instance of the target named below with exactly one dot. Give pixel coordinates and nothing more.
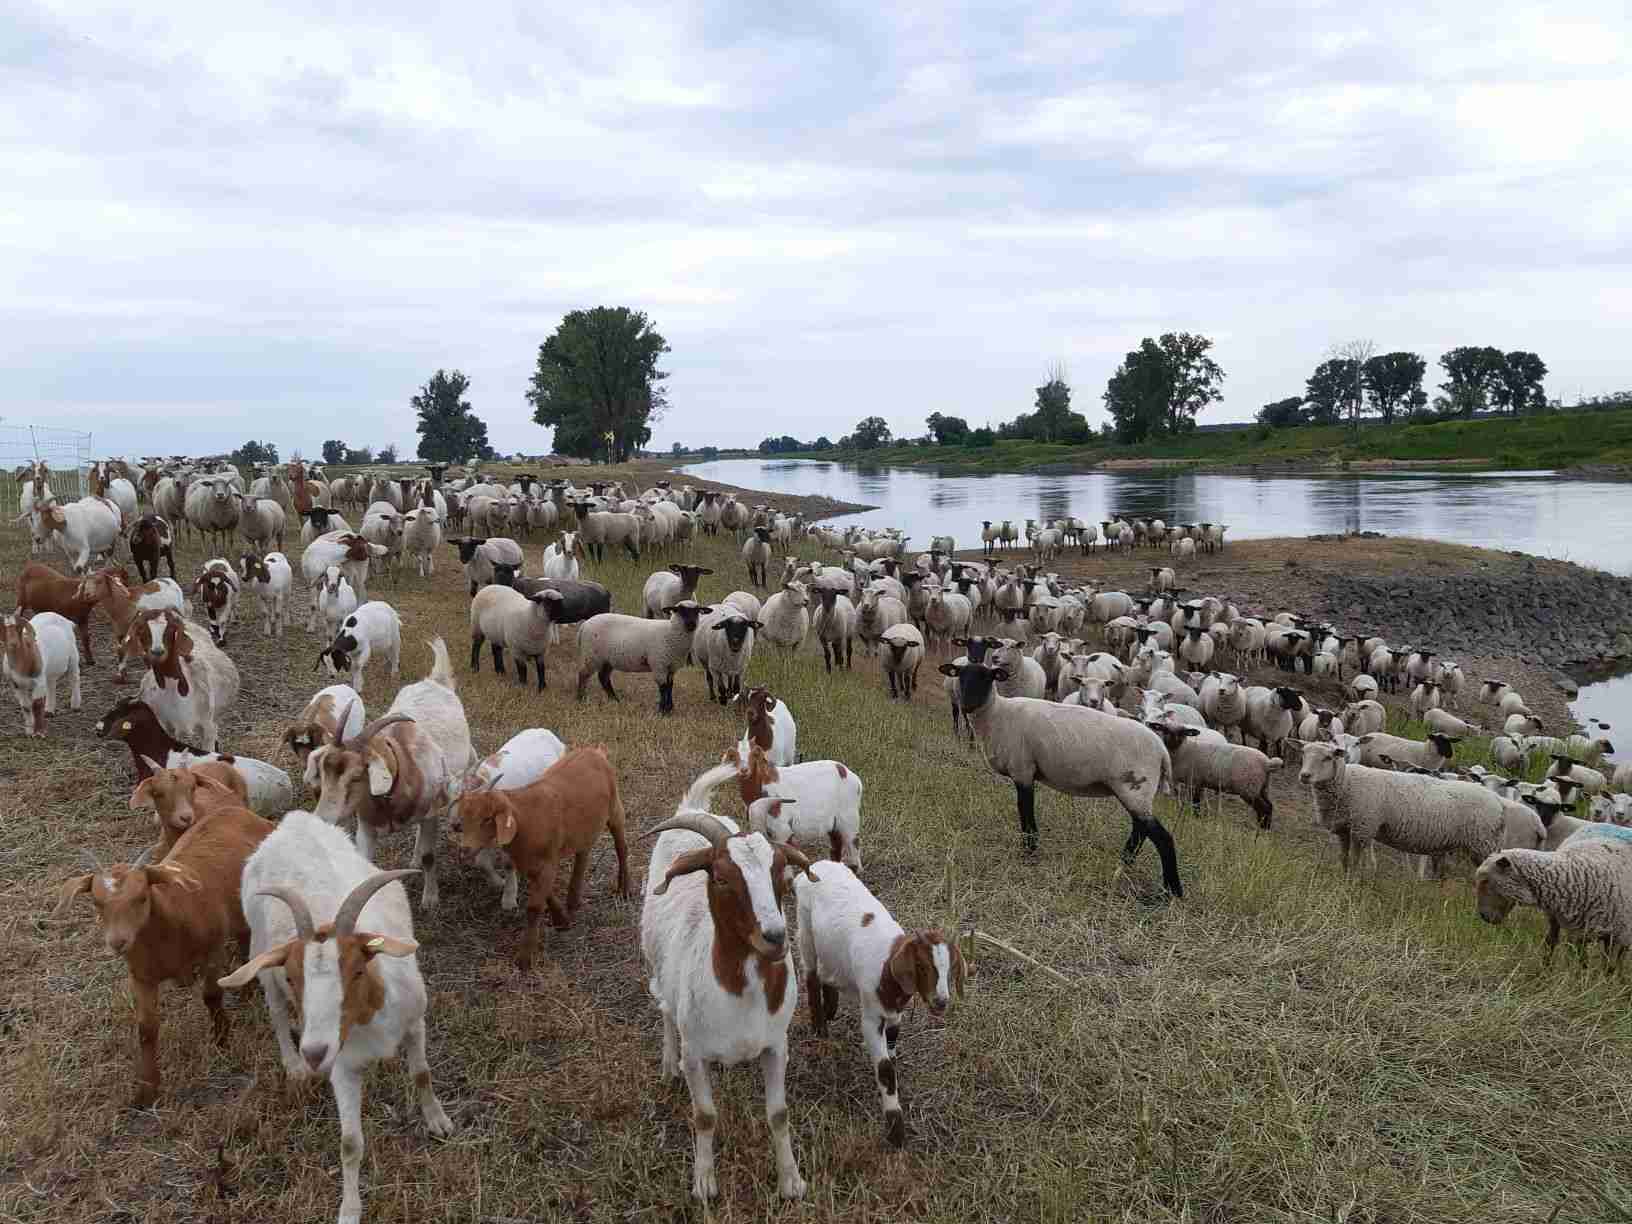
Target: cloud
(224, 223)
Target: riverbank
(1570, 443)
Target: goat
(180, 651)
(42, 589)
(150, 540)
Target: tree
(253, 454)
(1470, 373)
(1393, 381)
(1282, 414)
(362, 455)
(948, 430)
(823, 443)
(388, 454)
(1354, 354)
(1161, 386)
(1194, 379)
(871, 432)
(1330, 390)
(1053, 404)
(1516, 386)
(334, 451)
(597, 375)
(783, 445)
(677, 449)
(981, 437)
(449, 432)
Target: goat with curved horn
(345, 918)
(700, 823)
(304, 927)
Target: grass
(1284, 1044)
(1562, 440)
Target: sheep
(170, 921)
(321, 521)
(395, 770)
(834, 623)
(1585, 885)
(150, 540)
(35, 655)
(1512, 702)
(848, 941)
(949, 614)
(1588, 749)
(1590, 780)
(786, 617)
(1446, 723)
(84, 530)
(373, 629)
(1413, 813)
(827, 794)
(180, 651)
(1196, 648)
(335, 600)
(212, 508)
(562, 561)
(340, 942)
(670, 586)
(756, 555)
(184, 795)
(1073, 750)
(421, 537)
(600, 528)
(613, 642)
(1425, 697)
(488, 560)
(1321, 724)
(727, 646)
(1269, 714)
(876, 614)
(769, 724)
(563, 812)
(271, 578)
(523, 624)
(1364, 717)
(746, 603)
(1522, 723)
(903, 655)
(260, 522)
(1223, 700)
(1433, 753)
(1025, 678)
(42, 589)
(719, 967)
(1203, 760)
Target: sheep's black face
(467, 547)
(975, 681)
(736, 632)
(1289, 698)
(764, 534)
(504, 575)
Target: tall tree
(449, 432)
(1330, 390)
(1393, 382)
(1282, 414)
(1470, 373)
(871, 432)
(1516, 387)
(948, 430)
(252, 453)
(1053, 404)
(597, 375)
(1356, 353)
(334, 451)
(1161, 386)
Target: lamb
(1585, 885)
(42, 589)
(373, 629)
(171, 920)
(727, 646)
(756, 555)
(271, 578)
(562, 813)
(1432, 754)
(848, 941)
(1589, 750)
(1425, 697)
(1205, 760)
(949, 614)
(770, 725)
(1026, 677)
(1321, 725)
(786, 617)
(613, 642)
(335, 934)
(835, 626)
(395, 771)
(523, 759)
(826, 793)
(670, 586)
(1269, 715)
(486, 561)
(180, 652)
(35, 655)
(335, 600)
(507, 619)
(719, 966)
(1073, 750)
(903, 655)
(321, 521)
(1413, 813)
(421, 537)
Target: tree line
(1353, 383)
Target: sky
(223, 222)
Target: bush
(980, 437)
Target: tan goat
(182, 798)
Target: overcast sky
(220, 223)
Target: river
(1585, 521)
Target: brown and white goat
(170, 921)
(190, 682)
(151, 540)
(827, 795)
(133, 721)
(181, 798)
(563, 813)
(217, 589)
(320, 725)
(122, 603)
(42, 589)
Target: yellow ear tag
(375, 944)
(124, 726)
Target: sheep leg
(538, 666)
(498, 657)
(605, 676)
(703, 1183)
(147, 1042)
(476, 640)
(665, 695)
(436, 1118)
(1026, 797)
(709, 677)
(348, 1101)
(521, 670)
(774, 1060)
(878, 1052)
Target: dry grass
(1283, 1045)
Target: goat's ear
(959, 969)
(270, 959)
(692, 860)
(142, 796)
(903, 968)
(388, 945)
(173, 873)
(505, 826)
(68, 891)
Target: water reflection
(1577, 520)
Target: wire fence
(65, 452)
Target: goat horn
(360, 740)
(701, 823)
(798, 859)
(345, 917)
(304, 926)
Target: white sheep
(1072, 750)
(1204, 760)
(506, 619)
(612, 642)
(786, 617)
(1584, 886)
(834, 626)
(331, 930)
(421, 537)
(849, 942)
(1269, 714)
(373, 629)
(670, 586)
(1433, 753)
(1590, 780)
(724, 645)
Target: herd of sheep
(1085, 691)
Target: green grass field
(1563, 440)
(1284, 1044)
